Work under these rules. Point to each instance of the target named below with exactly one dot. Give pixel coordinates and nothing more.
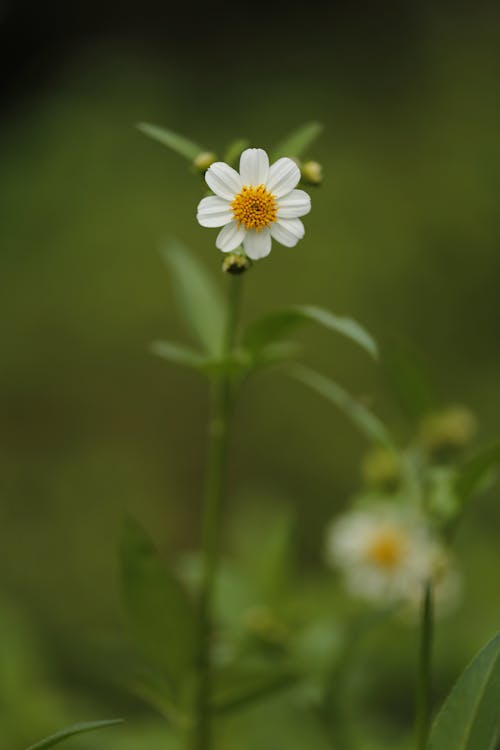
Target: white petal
(257, 244)
(230, 237)
(296, 203)
(254, 166)
(223, 180)
(214, 212)
(287, 231)
(283, 177)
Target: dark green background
(404, 236)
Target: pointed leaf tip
(298, 141)
(75, 729)
(198, 298)
(178, 143)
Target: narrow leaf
(182, 146)
(197, 296)
(475, 473)
(240, 691)
(263, 539)
(299, 141)
(161, 617)
(278, 324)
(64, 734)
(234, 151)
(409, 382)
(470, 716)
(178, 354)
(369, 424)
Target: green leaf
(298, 141)
(476, 472)
(64, 734)
(470, 716)
(234, 151)
(182, 146)
(197, 296)
(369, 424)
(269, 563)
(178, 354)
(407, 378)
(274, 326)
(161, 617)
(235, 691)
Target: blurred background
(404, 236)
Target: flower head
(387, 554)
(256, 205)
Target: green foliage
(272, 327)
(236, 691)
(369, 424)
(234, 151)
(161, 617)
(64, 734)
(178, 354)
(475, 473)
(408, 383)
(197, 296)
(271, 570)
(178, 143)
(297, 142)
(470, 716)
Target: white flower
(387, 554)
(257, 204)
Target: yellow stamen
(254, 207)
(387, 549)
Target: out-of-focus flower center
(254, 207)
(387, 548)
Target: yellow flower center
(387, 548)
(254, 207)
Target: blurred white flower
(256, 205)
(388, 553)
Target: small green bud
(382, 470)
(204, 159)
(236, 263)
(446, 433)
(312, 173)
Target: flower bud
(204, 159)
(236, 263)
(445, 433)
(312, 173)
(381, 470)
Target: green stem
(215, 491)
(425, 668)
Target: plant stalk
(214, 501)
(424, 685)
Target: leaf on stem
(274, 326)
(197, 296)
(234, 151)
(161, 617)
(178, 143)
(470, 716)
(238, 691)
(178, 354)
(369, 424)
(64, 734)
(476, 472)
(409, 382)
(298, 141)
